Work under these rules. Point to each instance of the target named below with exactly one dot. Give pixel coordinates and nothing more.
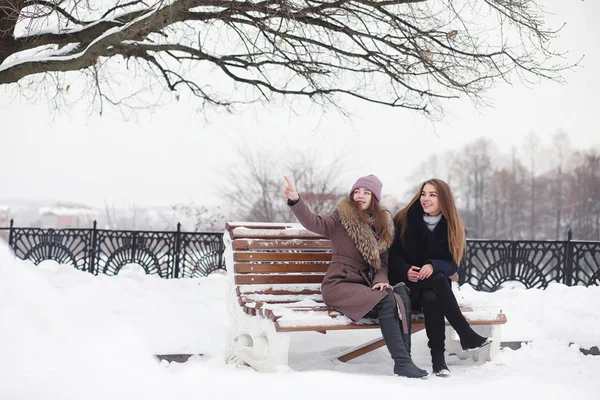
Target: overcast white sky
(173, 155)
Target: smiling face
(362, 197)
(429, 200)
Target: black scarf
(420, 244)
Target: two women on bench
(428, 246)
(356, 282)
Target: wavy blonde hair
(456, 231)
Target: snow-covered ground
(65, 334)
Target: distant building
(67, 216)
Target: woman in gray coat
(356, 282)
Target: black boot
(439, 365)
(469, 339)
(390, 329)
(404, 293)
(435, 326)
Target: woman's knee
(387, 305)
(428, 297)
(440, 282)
(438, 277)
(389, 299)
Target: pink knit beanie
(371, 183)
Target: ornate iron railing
(487, 264)
(173, 254)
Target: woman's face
(429, 200)
(362, 197)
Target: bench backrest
(279, 266)
(278, 254)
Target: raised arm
(321, 224)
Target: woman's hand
(413, 274)
(425, 272)
(381, 286)
(289, 191)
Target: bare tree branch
(401, 53)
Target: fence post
(10, 234)
(569, 259)
(91, 268)
(134, 237)
(513, 260)
(462, 271)
(177, 250)
(222, 251)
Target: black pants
(426, 295)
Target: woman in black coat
(427, 248)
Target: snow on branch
(401, 53)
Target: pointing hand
(289, 191)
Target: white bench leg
(254, 341)
(486, 354)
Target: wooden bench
(275, 273)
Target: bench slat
(320, 328)
(257, 256)
(500, 319)
(275, 279)
(249, 289)
(322, 312)
(229, 226)
(270, 299)
(274, 235)
(246, 268)
(269, 244)
(287, 306)
(276, 232)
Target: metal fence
(487, 265)
(174, 254)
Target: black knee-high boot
(469, 339)
(392, 333)
(435, 326)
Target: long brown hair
(456, 231)
(378, 214)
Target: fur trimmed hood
(361, 234)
